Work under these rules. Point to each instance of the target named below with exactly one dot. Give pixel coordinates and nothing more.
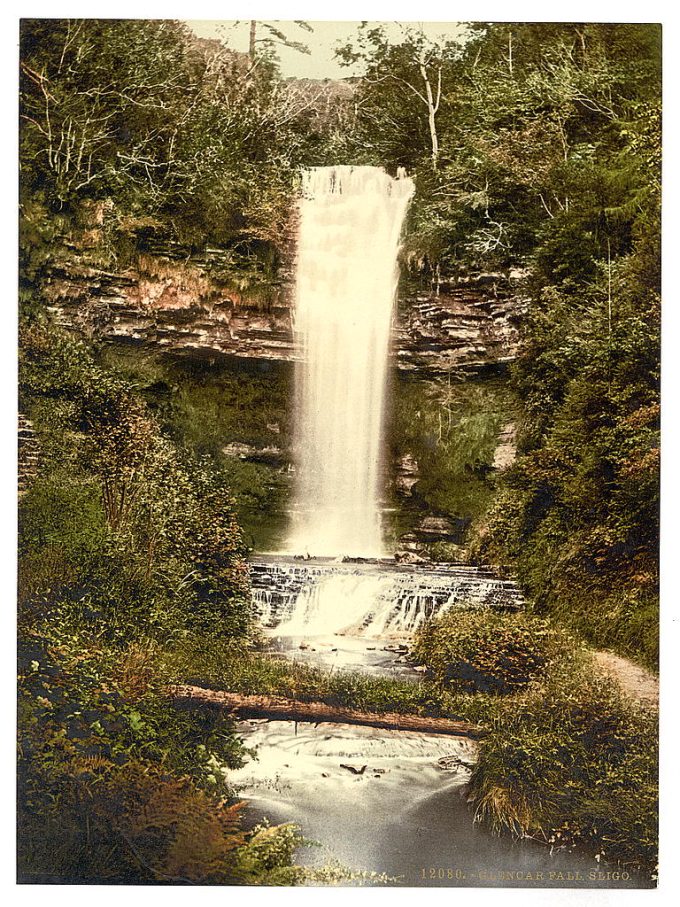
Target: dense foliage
(487, 652)
(126, 545)
(177, 136)
(449, 429)
(572, 763)
(120, 527)
(535, 148)
(117, 787)
(548, 161)
(230, 412)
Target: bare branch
(543, 202)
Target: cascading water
(313, 598)
(348, 240)
(350, 224)
(308, 773)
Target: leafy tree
(545, 158)
(180, 134)
(400, 96)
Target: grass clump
(572, 762)
(211, 664)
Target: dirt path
(637, 682)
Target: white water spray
(350, 223)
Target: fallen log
(278, 708)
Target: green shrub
(96, 743)
(117, 786)
(122, 530)
(61, 528)
(203, 406)
(451, 430)
(488, 652)
(572, 762)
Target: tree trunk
(432, 107)
(251, 44)
(278, 708)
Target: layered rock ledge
(466, 328)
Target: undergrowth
(126, 543)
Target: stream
(390, 802)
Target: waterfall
(350, 224)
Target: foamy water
(405, 814)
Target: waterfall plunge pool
(405, 815)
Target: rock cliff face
(170, 312)
(467, 327)
(28, 454)
(176, 307)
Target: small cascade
(369, 599)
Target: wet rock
(506, 449)
(353, 768)
(467, 326)
(410, 557)
(272, 456)
(454, 764)
(414, 547)
(278, 583)
(439, 529)
(407, 474)
(29, 454)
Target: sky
(319, 64)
